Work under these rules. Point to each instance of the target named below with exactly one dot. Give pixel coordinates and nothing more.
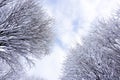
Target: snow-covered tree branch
(99, 56)
(24, 32)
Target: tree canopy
(25, 32)
(99, 56)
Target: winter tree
(25, 33)
(99, 56)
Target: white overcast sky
(72, 21)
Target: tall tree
(99, 56)
(25, 32)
